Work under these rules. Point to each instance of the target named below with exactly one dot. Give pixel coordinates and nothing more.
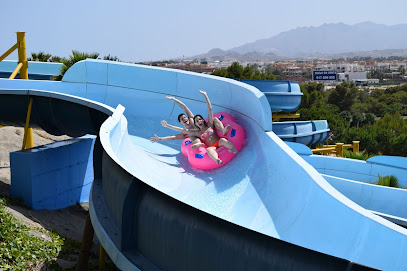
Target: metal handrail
(22, 66)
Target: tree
(358, 118)
(374, 106)
(359, 108)
(40, 56)
(255, 67)
(247, 72)
(346, 115)
(111, 58)
(366, 135)
(235, 70)
(75, 57)
(344, 96)
(393, 108)
(327, 112)
(222, 72)
(393, 122)
(56, 59)
(370, 118)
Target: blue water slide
(356, 180)
(268, 209)
(286, 96)
(304, 132)
(281, 95)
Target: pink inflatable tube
(198, 158)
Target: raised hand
(202, 92)
(155, 138)
(169, 98)
(164, 123)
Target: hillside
(325, 41)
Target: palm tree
(111, 58)
(75, 57)
(40, 56)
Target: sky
(150, 30)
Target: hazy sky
(146, 30)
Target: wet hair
(179, 117)
(205, 123)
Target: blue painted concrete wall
(354, 178)
(53, 176)
(36, 69)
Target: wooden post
(339, 149)
(355, 146)
(86, 245)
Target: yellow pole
(27, 123)
(355, 146)
(29, 143)
(22, 55)
(101, 258)
(16, 70)
(9, 52)
(339, 149)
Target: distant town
(361, 71)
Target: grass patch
(20, 250)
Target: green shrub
(390, 181)
(359, 155)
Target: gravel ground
(68, 222)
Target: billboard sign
(324, 75)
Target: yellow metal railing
(28, 132)
(22, 67)
(337, 148)
(278, 116)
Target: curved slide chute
(266, 209)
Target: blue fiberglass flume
(267, 209)
(281, 95)
(286, 96)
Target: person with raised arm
(205, 131)
(188, 122)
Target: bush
(390, 181)
(359, 155)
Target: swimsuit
(216, 144)
(207, 133)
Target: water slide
(268, 209)
(286, 96)
(355, 179)
(281, 95)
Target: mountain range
(335, 39)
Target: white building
(359, 78)
(340, 68)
